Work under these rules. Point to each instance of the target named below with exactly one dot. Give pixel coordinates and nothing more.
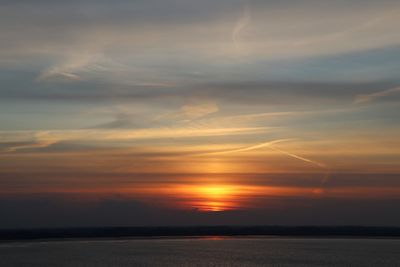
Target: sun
(212, 197)
(205, 197)
(216, 191)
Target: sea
(205, 251)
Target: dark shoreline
(106, 233)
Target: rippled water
(204, 252)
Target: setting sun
(216, 191)
(214, 197)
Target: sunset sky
(184, 112)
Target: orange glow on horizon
(209, 196)
(215, 197)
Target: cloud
(270, 117)
(74, 65)
(113, 210)
(198, 110)
(124, 120)
(366, 98)
(241, 24)
(150, 28)
(46, 138)
(259, 92)
(195, 109)
(38, 144)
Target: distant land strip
(201, 231)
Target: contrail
(299, 157)
(270, 145)
(319, 164)
(240, 25)
(265, 144)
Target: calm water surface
(204, 252)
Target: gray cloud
(241, 91)
(62, 30)
(117, 211)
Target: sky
(183, 112)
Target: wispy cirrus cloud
(240, 25)
(366, 98)
(198, 110)
(69, 69)
(46, 138)
(32, 145)
(193, 110)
